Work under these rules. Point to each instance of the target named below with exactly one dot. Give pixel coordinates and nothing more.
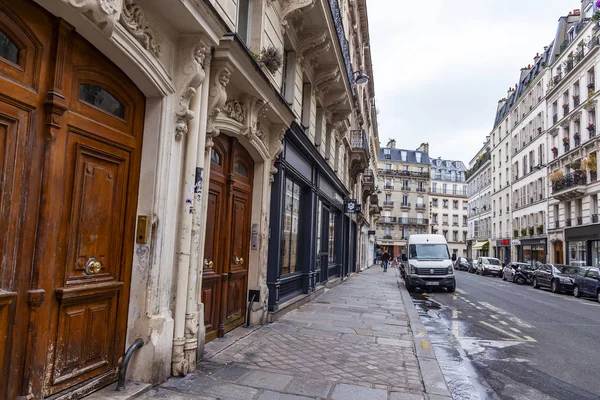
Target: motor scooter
(523, 276)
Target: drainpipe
(180, 366)
(197, 242)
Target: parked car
(463, 263)
(473, 267)
(559, 278)
(510, 271)
(587, 282)
(428, 263)
(488, 266)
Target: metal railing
(413, 221)
(573, 179)
(358, 141)
(412, 174)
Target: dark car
(587, 282)
(510, 271)
(559, 278)
(463, 263)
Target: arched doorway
(227, 239)
(71, 126)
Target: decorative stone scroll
(291, 8)
(276, 149)
(234, 110)
(104, 13)
(217, 97)
(253, 107)
(136, 23)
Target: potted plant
(565, 106)
(591, 126)
(575, 98)
(577, 135)
(270, 58)
(576, 165)
(556, 175)
(565, 141)
(530, 229)
(515, 233)
(591, 163)
(556, 78)
(484, 207)
(540, 229)
(523, 231)
(554, 150)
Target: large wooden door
(70, 143)
(227, 243)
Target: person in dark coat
(385, 258)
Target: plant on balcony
(523, 231)
(577, 135)
(271, 59)
(530, 229)
(565, 141)
(556, 175)
(515, 233)
(484, 207)
(565, 106)
(556, 78)
(555, 150)
(591, 126)
(575, 165)
(540, 229)
(575, 97)
(591, 163)
(596, 16)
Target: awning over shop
(482, 245)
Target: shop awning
(482, 245)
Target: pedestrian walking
(385, 258)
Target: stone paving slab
(358, 340)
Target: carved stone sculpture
(276, 150)
(234, 110)
(253, 107)
(193, 71)
(134, 20)
(217, 97)
(104, 13)
(291, 8)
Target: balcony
(421, 190)
(387, 237)
(568, 222)
(565, 110)
(405, 206)
(405, 188)
(387, 204)
(413, 221)
(557, 224)
(388, 220)
(341, 35)
(420, 206)
(388, 187)
(579, 221)
(576, 101)
(594, 218)
(570, 187)
(368, 181)
(359, 152)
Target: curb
(431, 372)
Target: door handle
(239, 260)
(208, 264)
(92, 266)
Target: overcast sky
(441, 66)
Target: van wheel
(576, 292)
(452, 288)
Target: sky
(440, 67)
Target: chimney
(391, 144)
(424, 147)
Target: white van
(428, 263)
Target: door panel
(227, 241)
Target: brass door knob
(238, 260)
(208, 264)
(92, 266)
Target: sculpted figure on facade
(136, 23)
(253, 107)
(276, 149)
(234, 110)
(291, 8)
(192, 77)
(217, 98)
(104, 13)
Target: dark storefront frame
(323, 192)
(590, 235)
(533, 244)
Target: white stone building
(448, 201)
(479, 182)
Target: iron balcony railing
(573, 179)
(358, 141)
(413, 221)
(412, 174)
(339, 28)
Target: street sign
(351, 206)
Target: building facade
(479, 182)
(574, 231)
(403, 182)
(449, 203)
(185, 141)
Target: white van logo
(431, 271)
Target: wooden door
(558, 253)
(227, 240)
(70, 142)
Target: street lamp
(360, 78)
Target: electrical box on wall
(254, 238)
(141, 233)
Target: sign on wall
(351, 206)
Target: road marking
(425, 344)
(461, 291)
(455, 331)
(504, 323)
(520, 323)
(511, 335)
(421, 331)
(515, 330)
(493, 308)
(494, 316)
(454, 297)
(454, 314)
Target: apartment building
(479, 186)
(449, 203)
(403, 182)
(572, 106)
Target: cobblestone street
(355, 341)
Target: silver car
(489, 266)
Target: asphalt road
(500, 340)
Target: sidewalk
(360, 340)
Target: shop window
(290, 237)
(595, 252)
(8, 49)
(318, 247)
(102, 99)
(577, 252)
(331, 245)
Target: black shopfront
(583, 245)
(533, 251)
(311, 240)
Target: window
(418, 157)
(102, 99)
(8, 50)
(455, 236)
(455, 220)
(388, 230)
(287, 81)
(403, 155)
(243, 19)
(387, 153)
(445, 203)
(454, 189)
(434, 202)
(464, 220)
(444, 188)
(445, 235)
(306, 105)
(405, 168)
(388, 167)
(433, 187)
(404, 200)
(455, 204)
(289, 256)
(445, 219)
(435, 218)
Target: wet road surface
(500, 340)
